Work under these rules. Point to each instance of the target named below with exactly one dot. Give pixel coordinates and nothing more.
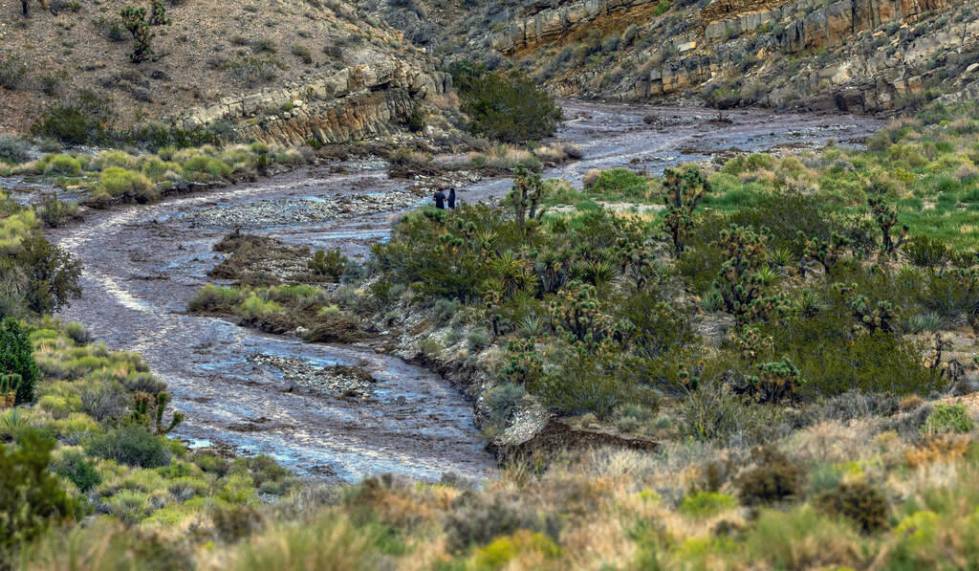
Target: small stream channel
(144, 263)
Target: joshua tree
(885, 215)
(684, 191)
(134, 19)
(158, 14)
(526, 196)
(149, 409)
(25, 6)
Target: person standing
(439, 199)
(452, 198)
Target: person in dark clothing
(452, 198)
(440, 199)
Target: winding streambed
(143, 264)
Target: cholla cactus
(684, 191)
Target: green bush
(948, 418)
(85, 120)
(63, 165)
(13, 149)
(13, 71)
(706, 504)
(76, 468)
(619, 183)
(17, 358)
(201, 167)
(119, 182)
(31, 497)
(859, 502)
(132, 445)
(773, 479)
(507, 107)
(218, 299)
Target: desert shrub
(104, 403)
(507, 107)
(55, 213)
(132, 185)
(334, 327)
(31, 497)
(84, 120)
(619, 183)
(52, 275)
(859, 502)
(581, 386)
(474, 521)
(706, 504)
(75, 467)
(13, 71)
(17, 358)
(774, 478)
(948, 418)
(202, 167)
(331, 263)
(63, 165)
(926, 252)
(252, 71)
(213, 298)
(77, 333)
(501, 403)
(132, 445)
(13, 149)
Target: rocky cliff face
(351, 104)
(858, 55)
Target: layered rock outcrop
(551, 24)
(858, 55)
(354, 103)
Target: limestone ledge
(355, 102)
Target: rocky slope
(285, 70)
(857, 55)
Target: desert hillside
(300, 69)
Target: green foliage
(774, 478)
(331, 264)
(51, 275)
(31, 497)
(926, 252)
(118, 182)
(13, 150)
(684, 191)
(132, 445)
(76, 468)
(501, 403)
(86, 119)
(17, 358)
(507, 107)
(859, 502)
(948, 418)
(135, 20)
(706, 504)
(619, 183)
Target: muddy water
(143, 264)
